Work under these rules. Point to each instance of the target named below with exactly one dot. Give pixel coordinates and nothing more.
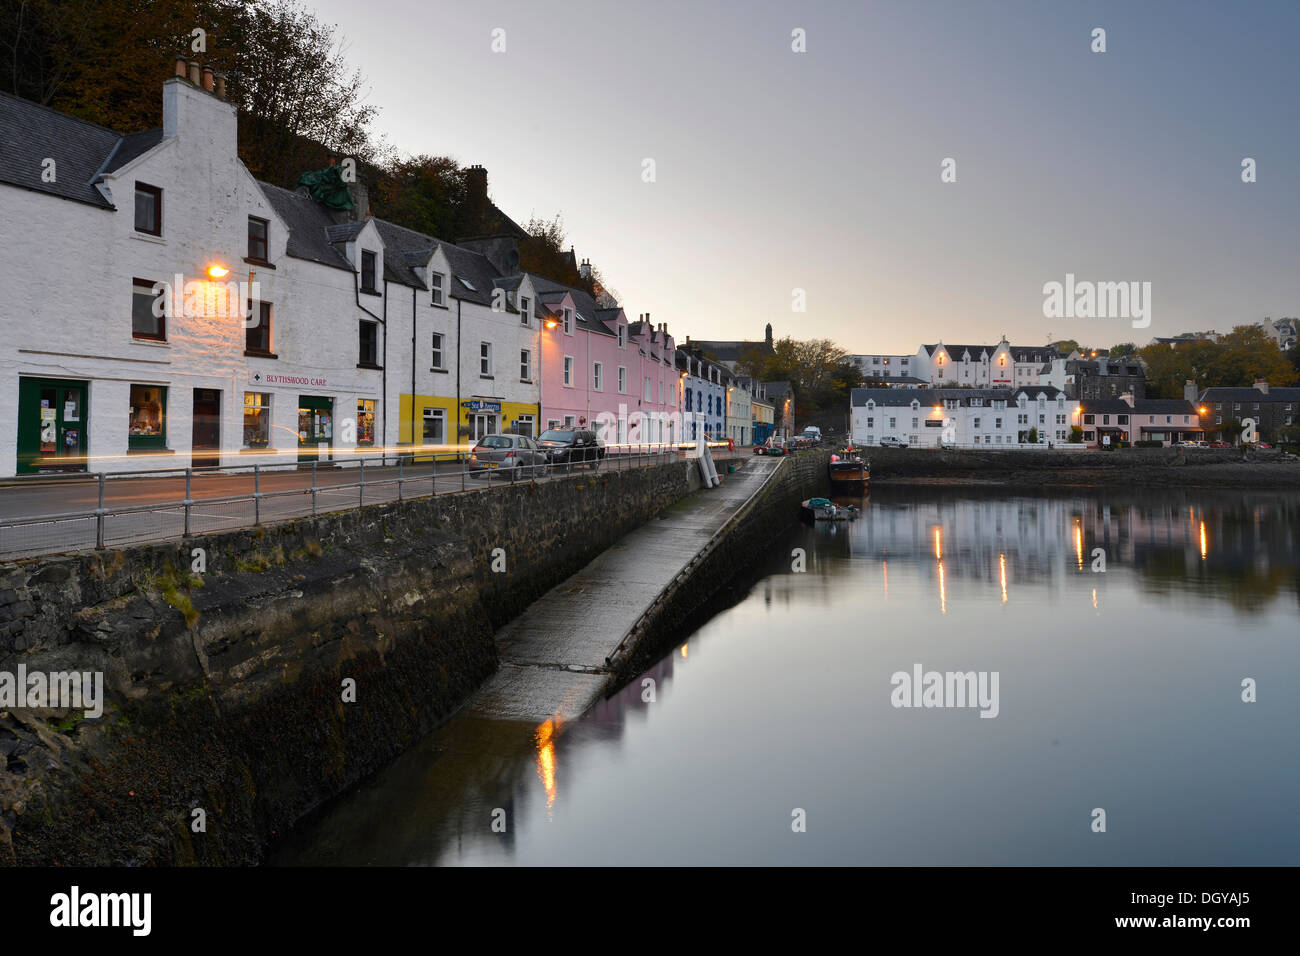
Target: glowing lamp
(551, 323)
(217, 272)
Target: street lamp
(217, 271)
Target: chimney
(196, 73)
(1261, 385)
(584, 270)
(1189, 391)
(221, 85)
(208, 77)
(182, 66)
(476, 182)
(1127, 398)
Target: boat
(848, 475)
(823, 509)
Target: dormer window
(148, 209)
(524, 310)
(568, 321)
(435, 283)
(368, 269)
(622, 336)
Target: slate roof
(727, 351)
(1142, 406)
(31, 133)
(308, 224)
(1227, 394)
(132, 146)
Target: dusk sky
(820, 170)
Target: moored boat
(849, 474)
(823, 509)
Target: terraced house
(216, 320)
(963, 417)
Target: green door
(315, 428)
(52, 422)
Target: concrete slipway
(554, 656)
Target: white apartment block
(962, 418)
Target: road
(151, 508)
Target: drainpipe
(458, 362)
(413, 314)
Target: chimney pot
(195, 73)
(207, 78)
(221, 85)
(182, 66)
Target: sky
(820, 171)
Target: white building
(125, 337)
(984, 366)
(962, 417)
(893, 370)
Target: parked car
(566, 448)
(1220, 443)
(813, 434)
(513, 456)
(1263, 444)
(890, 441)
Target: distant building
(1284, 332)
(962, 417)
(1097, 378)
(889, 370)
(1270, 408)
(1131, 419)
(984, 366)
(731, 353)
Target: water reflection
(1122, 625)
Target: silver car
(511, 456)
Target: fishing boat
(848, 475)
(823, 509)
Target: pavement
(161, 516)
(553, 655)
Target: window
(569, 421)
(524, 313)
(147, 417)
(485, 359)
(568, 321)
(598, 376)
(1089, 419)
(435, 427)
(148, 209)
(871, 423)
(369, 344)
(915, 424)
(622, 381)
(368, 272)
(257, 246)
(893, 423)
(977, 423)
(552, 423)
(466, 283)
(647, 394)
(365, 421)
(568, 371)
(148, 320)
(258, 337)
(622, 338)
(435, 283)
(997, 423)
(436, 361)
(525, 365)
(257, 419)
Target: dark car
(567, 448)
(511, 456)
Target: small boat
(823, 509)
(849, 474)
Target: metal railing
(275, 492)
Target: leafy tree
(1032, 437)
(1238, 359)
(424, 193)
(1124, 348)
(1076, 435)
(544, 253)
(1064, 346)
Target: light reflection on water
(1119, 689)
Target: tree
(1124, 348)
(424, 193)
(1238, 359)
(544, 254)
(1064, 346)
(1076, 435)
(1032, 437)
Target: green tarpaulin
(327, 187)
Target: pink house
(1145, 419)
(601, 372)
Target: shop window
(365, 421)
(147, 421)
(435, 427)
(257, 419)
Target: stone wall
(224, 684)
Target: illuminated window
(257, 419)
(365, 421)
(147, 417)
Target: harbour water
(1120, 627)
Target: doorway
(52, 421)
(207, 428)
(482, 424)
(315, 428)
